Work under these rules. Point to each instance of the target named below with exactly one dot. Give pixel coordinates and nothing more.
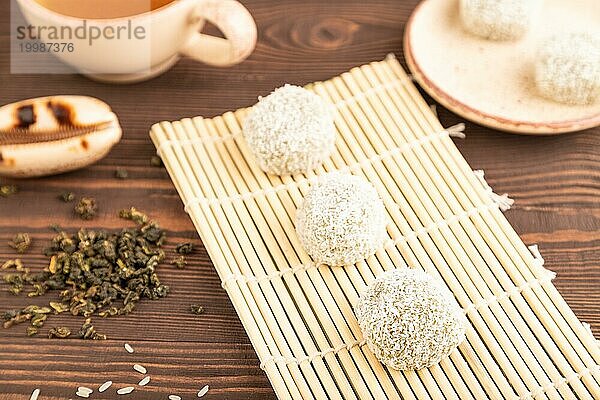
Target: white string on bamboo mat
(395, 83)
(512, 292)
(453, 131)
(359, 343)
(502, 199)
(560, 382)
(243, 278)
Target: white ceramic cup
(171, 31)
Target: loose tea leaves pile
(94, 272)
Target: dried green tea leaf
(67, 197)
(55, 227)
(134, 215)
(121, 173)
(196, 309)
(184, 248)
(8, 190)
(59, 307)
(20, 242)
(32, 330)
(179, 262)
(156, 161)
(38, 320)
(60, 332)
(86, 208)
(88, 331)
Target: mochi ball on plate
(498, 19)
(290, 131)
(342, 220)
(409, 319)
(567, 69)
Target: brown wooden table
(554, 180)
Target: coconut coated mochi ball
(498, 19)
(409, 319)
(567, 69)
(290, 131)
(342, 220)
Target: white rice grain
(35, 394)
(139, 368)
(174, 397)
(144, 381)
(83, 389)
(125, 390)
(85, 395)
(128, 348)
(203, 391)
(105, 386)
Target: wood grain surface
(554, 180)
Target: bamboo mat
(523, 341)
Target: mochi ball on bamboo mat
(409, 319)
(290, 131)
(342, 220)
(498, 19)
(567, 68)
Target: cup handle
(236, 23)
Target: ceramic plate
(491, 82)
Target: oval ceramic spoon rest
(50, 135)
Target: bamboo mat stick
(252, 321)
(370, 174)
(363, 125)
(397, 125)
(280, 311)
(312, 274)
(512, 262)
(307, 288)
